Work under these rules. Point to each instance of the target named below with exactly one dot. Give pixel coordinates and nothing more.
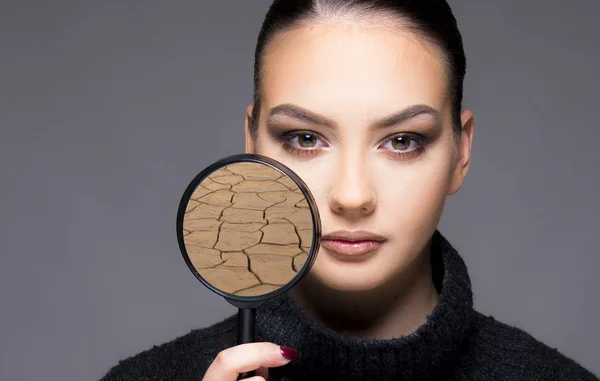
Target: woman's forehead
(329, 67)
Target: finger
(255, 378)
(230, 362)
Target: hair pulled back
(432, 20)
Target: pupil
(307, 140)
(401, 143)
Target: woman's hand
(259, 357)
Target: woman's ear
(250, 144)
(464, 149)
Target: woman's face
(363, 116)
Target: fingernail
(259, 339)
(289, 353)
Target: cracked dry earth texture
(248, 229)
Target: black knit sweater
(456, 343)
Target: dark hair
(431, 19)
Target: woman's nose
(351, 192)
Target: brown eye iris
(401, 143)
(307, 140)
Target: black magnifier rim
(249, 301)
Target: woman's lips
(351, 248)
(352, 242)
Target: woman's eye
(303, 140)
(405, 146)
(307, 140)
(403, 143)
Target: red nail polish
(289, 353)
(259, 339)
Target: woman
(362, 99)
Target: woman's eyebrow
(304, 115)
(299, 113)
(408, 114)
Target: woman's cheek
(415, 198)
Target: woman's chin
(357, 278)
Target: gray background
(108, 109)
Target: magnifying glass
(248, 229)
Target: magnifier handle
(246, 375)
(246, 332)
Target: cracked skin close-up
(247, 229)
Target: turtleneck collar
(327, 354)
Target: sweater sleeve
(185, 358)
(504, 352)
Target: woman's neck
(397, 309)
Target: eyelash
(421, 142)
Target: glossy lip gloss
(351, 248)
(352, 243)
